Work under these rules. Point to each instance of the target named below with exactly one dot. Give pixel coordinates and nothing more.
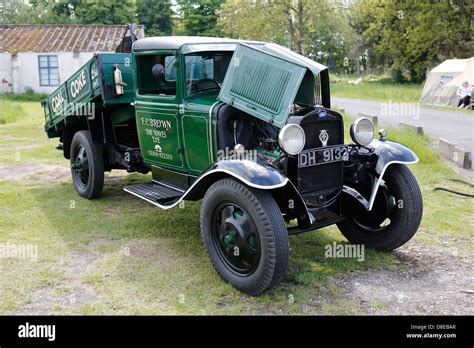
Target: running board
(155, 193)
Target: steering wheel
(194, 85)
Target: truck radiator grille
(320, 183)
(251, 86)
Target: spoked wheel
(87, 166)
(396, 214)
(245, 236)
(235, 238)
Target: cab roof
(176, 42)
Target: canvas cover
(444, 80)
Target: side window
(157, 74)
(48, 70)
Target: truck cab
(178, 82)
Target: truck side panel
(91, 87)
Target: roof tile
(62, 38)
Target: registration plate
(323, 155)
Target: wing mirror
(158, 70)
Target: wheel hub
(81, 166)
(382, 210)
(235, 237)
(229, 239)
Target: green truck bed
(90, 88)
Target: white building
(41, 57)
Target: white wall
(6, 79)
(25, 73)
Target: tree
(157, 16)
(34, 12)
(67, 11)
(412, 36)
(315, 28)
(105, 11)
(254, 20)
(199, 17)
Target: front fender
(388, 152)
(254, 174)
(259, 175)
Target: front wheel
(396, 214)
(245, 236)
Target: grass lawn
(384, 90)
(403, 93)
(10, 111)
(121, 255)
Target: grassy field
(121, 255)
(384, 90)
(403, 93)
(10, 111)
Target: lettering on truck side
(57, 102)
(78, 84)
(150, 122)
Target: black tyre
(396, 214)
(87, 166)
(245, 236)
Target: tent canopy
(444, 80)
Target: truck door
(156, 110)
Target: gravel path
(432, 280)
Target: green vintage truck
(246, 127)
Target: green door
(156, 108)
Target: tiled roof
(62, 38)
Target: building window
(48, 70)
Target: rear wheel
(245, 236)
(396, 214)
(87, 165)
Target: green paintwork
(174, 132)
(229, 239)
(261, 85)
(265, 84)
(158, 125)
(178, 132)
(107, 62)
(86, 87)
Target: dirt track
(431, 281)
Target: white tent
(443, 81)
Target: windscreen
(205, 71)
